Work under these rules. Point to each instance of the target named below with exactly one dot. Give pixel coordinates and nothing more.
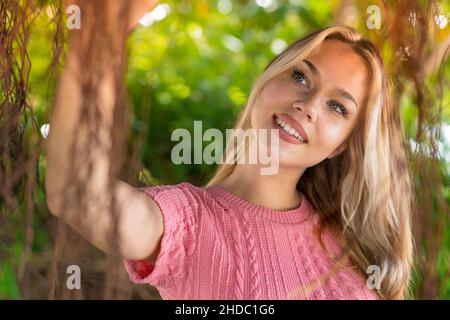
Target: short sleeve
(178, 242)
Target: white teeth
(287, 128)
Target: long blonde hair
(366, 191)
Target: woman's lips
(283, 134)
(293, 124)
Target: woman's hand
(137, 10)
(113, 9)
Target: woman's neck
(277, 191)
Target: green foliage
(8, 283)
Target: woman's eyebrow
(312, 67)
(340, 91)
(346, 95)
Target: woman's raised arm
(79, 156)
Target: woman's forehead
(337, 65)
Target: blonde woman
(332, 223)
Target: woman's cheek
(328, 139)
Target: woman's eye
(339, 108)
(300, 77)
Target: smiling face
(317, 100)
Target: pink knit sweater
(218, 246)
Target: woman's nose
(306, 109)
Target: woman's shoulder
(181, 195)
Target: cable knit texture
(216, 245)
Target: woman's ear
(338, 150)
